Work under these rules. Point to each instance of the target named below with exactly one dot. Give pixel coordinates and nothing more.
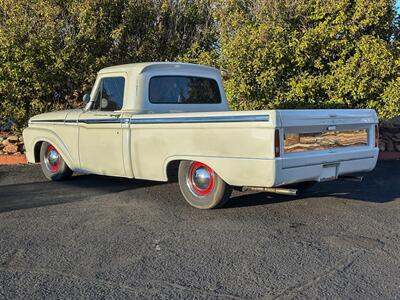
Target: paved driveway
(99, 237)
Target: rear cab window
(184, 90)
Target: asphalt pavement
(97, 237)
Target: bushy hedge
(51, 50)
(309, 54)
(274, 53)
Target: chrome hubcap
(53, 157)
(201, 178)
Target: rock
(1, 139)
(386, 134)
(1, 152)
(10, 149)
(389, 145)
(382, 146)
(21, 139)
(21, 147)
(17, 153)
(5, 142)
(13, 139)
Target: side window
(110, 94)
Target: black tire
(55, 170)
(215, 192)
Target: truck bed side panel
(237, 151)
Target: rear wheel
(201, 186)
(52, 163)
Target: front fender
(32, 136)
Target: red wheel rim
(206, 185)
(52, 158)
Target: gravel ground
(98, 237)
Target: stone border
(11, 144)
(13, 159)
(389, 155)
(389, 138)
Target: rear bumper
(315, 166)
(302, 169)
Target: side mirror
(86, 98)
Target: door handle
(115, 115)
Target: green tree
(308, 54)
(274, 53)
(28, 56)
(51, 49)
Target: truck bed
(315, 145)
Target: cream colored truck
(149, 120)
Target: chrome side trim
(171, 120)
(102, 121)
(46, 121)
(209, 119)
(85, 121)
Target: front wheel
(52, 163)
(201, 186)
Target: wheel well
(172, 170)
(36, 150)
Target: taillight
(376, 135)
(277, 144)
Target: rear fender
(235, 171)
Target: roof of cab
(145, 66)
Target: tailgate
(321, 137)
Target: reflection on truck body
(301, 142)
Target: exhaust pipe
(281, 191)
(351, 178)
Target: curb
(13, 159)
(389, 155)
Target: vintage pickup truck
(153, 120)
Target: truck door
(100, 127)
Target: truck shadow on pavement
(78, 188)
(379, 186)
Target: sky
(398, 6)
